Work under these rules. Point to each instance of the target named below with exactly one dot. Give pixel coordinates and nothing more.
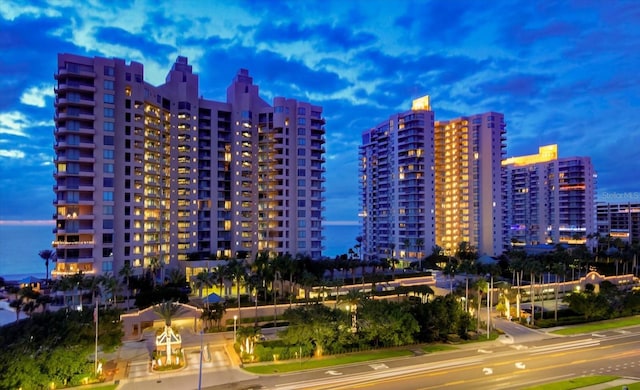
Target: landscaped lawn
(575, 383)
(599, 326)
(438, 348)
(307, 364)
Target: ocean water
(19, 247)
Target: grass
(598, 326)
(575, 383)
(307, 364)
(438, 348)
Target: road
(501, 366)
(525, 357)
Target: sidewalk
(618, 383)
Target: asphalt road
(499, 366)
(527, 357)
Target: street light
(235, 322)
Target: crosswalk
(214, 358)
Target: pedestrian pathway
(614, 384)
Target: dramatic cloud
(561, 72)
(35, 96)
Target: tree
(237, 271)
(588, 304)
(398, 328)
(127, 272)
(248, 335)
(314, 327)
(202, 279)
(353, 299)
(48, 256)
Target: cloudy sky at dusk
(561, 72)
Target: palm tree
(201, 280)
(237, 271)
(533, 267)
(253, 283)
(127, 272)
(154, 266)
(307, 280)
(110, 286)
(48, 256)
(419, 247)
(168, 310)
(248, 335)
(353, 299)
(481, 285)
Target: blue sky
(562, 72)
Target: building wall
(549, 199)
(148, 174)
(619, 220)
(469, 204)
(397, 179)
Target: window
(73, 168)
(302, 193)
(302, 131)
(109, 71)
(73, 196)
(301, 141)
(107, 224)
(73, 139)
(302, 213)
(107, 210)
(108, 126)
(107, 238)
(108, 98)
(108, 112)
(108, 85)
(302, 151)
(301, 203)
(302, 182)
(107, 196)
(107, 181)
(72, 154)
(302, 223)
(108, 140)
(302, 111)
(302, 172)
(107, 154)
(302, 162)
(108, 168)
(72, 125)
(107, 266)
(302, 234)
(302, 121)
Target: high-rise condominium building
(426, 183)
(549, 199)
(468, 182)
(619, 220)
(396, 185)
(147, 175)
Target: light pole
(235, 322)
(201, 353)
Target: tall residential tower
(549, 199)
(468, 182)
(146, 175)
(396, 185)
